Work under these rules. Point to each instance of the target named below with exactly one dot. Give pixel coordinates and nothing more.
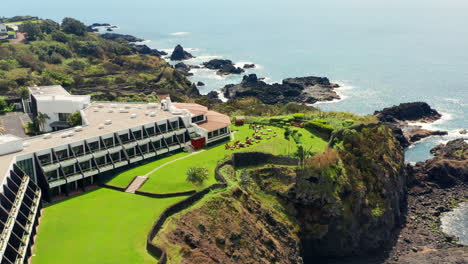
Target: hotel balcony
(135, 158)
(56, 182)
(103, 168)
(149, 155)
(130, 144)
(120, 163)
(51, 167)
(143, 141)
(68, 162)
(114, 149)
(74, 176)
(85, 157)
(90, 172)
(99, 153)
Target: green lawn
(103, 226)
(172, 178)
(124, 178)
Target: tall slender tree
(41, 120)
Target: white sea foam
(241, 64)
(342, 92)
(436, 124)
(182, 33)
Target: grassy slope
(171, 178)
(124, 178)
(103, 226)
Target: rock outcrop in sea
(180, 54)
(402, 116)
(223, 67)
(301, 90)
(114, 36)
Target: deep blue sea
(382, 52)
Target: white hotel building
(113, 135)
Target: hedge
(319, 127)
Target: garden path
(172, 161)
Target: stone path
(136, 184)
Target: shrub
(321, 121)
(299, 116)
(348, 123)
(74, 119)
(73, 26)
(197, 175)
(319, 127)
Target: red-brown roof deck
(214, 119)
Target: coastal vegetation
(85, 63)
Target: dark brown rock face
(416, 111)
(449, 166)
(180, 54)
(301, 90)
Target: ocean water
(456, 223)
(382, 52)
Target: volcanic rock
(180, 54)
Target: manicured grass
(172, 178)
(124, 178)
(103, 226)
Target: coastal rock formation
(183, 68)
(449, 165)
(180, 54)
(415, 111)
(249, 66)
(334, 206)
(224, 67)
(399, 117)
(302, 90)
(416, 133)
(203, 84)
(114, 36)
(143, 49)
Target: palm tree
(41, 120)
(302, 154)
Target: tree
(32, 30)
(41, 120)
(302, 154)
(74, 119)
(197, 175)
(73, 26)
(4, 107)
(23, 92)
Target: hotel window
(223, 130)
(62, 154)
(101, 160)
(169, 140)
(150, 131)
(131, 152)
(115, 157)
(69, 170)
(109, 142)
(210, 134)
(45, 159)
(85, 165)
(144, 148)
(51, 175)
(78, 150)
(157, 144)
(27, 166)
(175, 125)
(124, 138)
(163, 128)
(63, 117)
(197, 118)
(215, 133)
(137, 134)
(94, 145)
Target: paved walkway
(136, 184)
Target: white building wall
(53, 105)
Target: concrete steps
(136, 184)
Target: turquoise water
(382, 52)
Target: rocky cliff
(302, 90)
(344, 202)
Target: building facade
(112, 136)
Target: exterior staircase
(136, 184)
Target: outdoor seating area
(260, 132)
